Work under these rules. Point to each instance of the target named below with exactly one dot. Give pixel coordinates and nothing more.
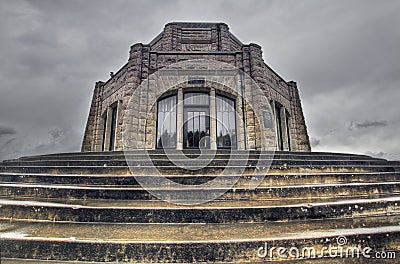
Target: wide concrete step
(100, 211)
(192, 162)
(160, 154)
(242, 180)
(169, 156)
(177, 193)
(184, 243)
(194, 170)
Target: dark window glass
(196, 120)
(226, 122)
(279, 127)
(288, 131)
(197, 127)
(166, 123)
(104, 119)
(196, 80)
(113, 127)
(201, 99)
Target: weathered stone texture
(188, 41)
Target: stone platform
(89, 208)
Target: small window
(196, 80)
(104, 127)
(196, 99)
(279, 131)
(113, 127)
(288, 130)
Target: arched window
(166, 122)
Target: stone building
(239, 130)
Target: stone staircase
(90, 208)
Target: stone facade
(189, 41)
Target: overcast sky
(344, 56)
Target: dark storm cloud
(377, 154)
(5, 130)
(343, 55)
(367, 124)
(315, 142)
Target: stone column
(300, 140)
(240, 125)
(118, 126)
(134, 78)
(100, 128)
(91, 136)
(224, 38)
(213, 119)
(179, 120)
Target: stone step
(72, 206)
(208, 170)
(323, 260)
(159, 158)
(284, 201)
(243, 180)
(183, 243)
(195, 153)
(123, 192)
(160, 155)
(184, 162)
(97, 211)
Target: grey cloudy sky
(343, 54)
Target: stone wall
(187, 41)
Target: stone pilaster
(89, 138)
(248, 97)
(108, 130)
(138, 68)
(223, 37)
(213, 120)
(179, 120)
(298, 126)
(170, 35)
(118, 128)
(240, 124)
